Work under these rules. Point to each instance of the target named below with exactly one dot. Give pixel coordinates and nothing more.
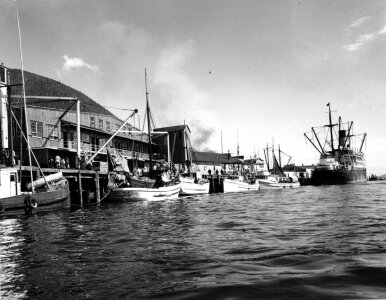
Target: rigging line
(118, 108)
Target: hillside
(37, 85)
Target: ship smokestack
(342, 138)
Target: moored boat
(342, 164)
(275, 178)
(193, 186)
(235, 184)
(53, 195)
(157, 185)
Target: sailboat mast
(148, 123)
(25, 103)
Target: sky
(246, 72)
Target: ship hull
(327, 177)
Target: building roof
(293, 168)
(213, 158)
(253, 160)
(139, 138)
(173, 128)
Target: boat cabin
(9, 182)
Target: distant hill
(382, 176)
(36, 85)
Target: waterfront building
(52, 126)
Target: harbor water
(313, 242)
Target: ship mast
(148, 123)
(332, 138)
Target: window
(53, 133)
(92, 121)
(107, 126)
(36, 129)
(85, 138)
(100, 124)
(3, 75)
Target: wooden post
(97, 188)
(80, 189)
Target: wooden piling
(97, 188)
(80, 189)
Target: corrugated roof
(173, 128)
(213, 158)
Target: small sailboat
(157, 185)
(275, 179)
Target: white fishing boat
(271, 181)
(157, 185)
(275, 179)
(192, 186)
(235, 184)
(148, 194)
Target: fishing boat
(49, 193)
(158, 184)
(45, 193)
(193, 185)
(236, 184)
(342, 164)
(275, 178)
(192, 182)
(243, 181)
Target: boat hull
(236, 186)
(191, 188)
(329, 177)
(46, 200)
(267, 185)
(145, 194)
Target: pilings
(86, 186)
(216, 184)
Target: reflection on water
(318, 242)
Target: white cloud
(358, 22)
(364, 39)
(77, 63)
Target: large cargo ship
(341, 161)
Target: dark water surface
(312, 242)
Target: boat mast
(25, 103)
(332, 138)
(148, 123)
(279, 156)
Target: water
(312, 242)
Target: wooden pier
(86, 186)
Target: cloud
(358, 22)
(364, 39)
(178, 96)
(75, 63)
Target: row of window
(53, 133)
(108, 125)
(37, 130)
